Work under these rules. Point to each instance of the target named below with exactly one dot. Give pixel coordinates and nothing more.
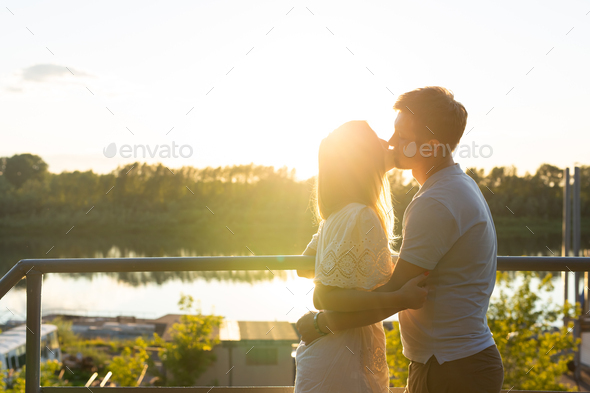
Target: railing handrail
(225, 263)
(207, 389)
(35, 268)
(152, 264)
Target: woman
(352, 251)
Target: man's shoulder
(458, 190)
(457, 196)
(428, 207)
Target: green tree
(3, 374)
(396, 361)
(127, 367)
(534, 352)
(65, 334)
(22, 167)
(189, 353)
(49, 377)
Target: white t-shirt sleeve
(357, 256)
(429, 232)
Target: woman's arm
(307, 273)
(330, 321)
(411, 295)
(348, 320)
(327, 297)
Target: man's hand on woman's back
(414, 292)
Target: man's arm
(410, 295)
(346, 300)
(330, 321)
(334, 320)
(402, 273)
(349, 300)
(349, 320)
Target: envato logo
(135, 151)
(464, 151)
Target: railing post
(566, 233)
(33, 346)
(576, 248)
(566, 229)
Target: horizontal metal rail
(34, 269)
(207, 389)
(160, 264)
(272, 262)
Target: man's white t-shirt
(448, 229)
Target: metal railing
(33, 270)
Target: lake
(246, 295)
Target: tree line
(141, 197)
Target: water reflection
(159, 278)
(13, 249)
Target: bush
(129, 365)
(189, 353)
(534, 352)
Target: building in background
(250, 353)
(13, 346)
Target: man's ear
(436, 145)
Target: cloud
(13, 89)
(43, 72)
(40, 73)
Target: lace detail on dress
(353, 250)
(374, 359)
(378, 360)
(350, 265)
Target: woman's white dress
(352, 252)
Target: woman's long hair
(352, 169)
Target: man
(447, 230)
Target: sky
(263, 82)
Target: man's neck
(421, 174)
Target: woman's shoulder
(346, 213)
(368, 213)
(353, 215)
(351, 208)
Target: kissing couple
(439, 283)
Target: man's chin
(397, 164)
(400, 166)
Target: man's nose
(384, 144)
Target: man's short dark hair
(436, 114)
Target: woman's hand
(306, 273)
(413, 294)
(306, 329)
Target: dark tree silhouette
(22, 167)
